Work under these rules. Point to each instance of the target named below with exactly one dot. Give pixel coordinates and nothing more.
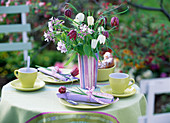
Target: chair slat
(161, 118)
(14, 28)
(144, 83)
(14, 9)
(15, 46)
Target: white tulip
(101, 38)
(80, 17)
(90, 20)
(100, 29)
(94, 43)
(75, 24)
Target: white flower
(147, 74)
(80, 17)
(61, 46)
(75, 24)
(83, 27)
(52, 18)
(100, 29)
(50, 26)
(94, 43)
(46, 37)
(90, 20)
(90, 31)
(101, 38)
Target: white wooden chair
(151, 87)
(11, 28)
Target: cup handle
(16, 73)
(133, 82)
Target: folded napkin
(85, 98)
(51, 73)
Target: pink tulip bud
(67, 13)
(75, 72)
(105, 21)
(72, 34)
(105, 33)
(114, 21)
(62, 89)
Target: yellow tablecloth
(19, 107)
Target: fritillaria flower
(101, 38)
(105, 33)
(80, 17)
(90, 20)
(103, 21)
(72, 34)
(62, 89)
(94, 43)
(75, 72)
(114, 21)
(101, 28)
(68, 13)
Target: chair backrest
(11, 28)
(151, 87)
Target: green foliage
(48, 58)
(144, 46)
(11, 61)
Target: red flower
(75, 72)
(105, 33)
(62, 89)
(72, 34)
(67, 13)
(103, 19)
(114, 21)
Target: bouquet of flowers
(86, 34)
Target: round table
(18, 106)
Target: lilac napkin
(82, 98)
(56, 75)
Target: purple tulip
(114, 21)
(72, 34)
(105, 33)
(67, 13)
(105, 21)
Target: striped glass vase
(88, 67)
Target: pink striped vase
(88, 68)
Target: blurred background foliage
(141, 43)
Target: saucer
(128, 92)
(17, 85)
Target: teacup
(119, 82)
(26, 77)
